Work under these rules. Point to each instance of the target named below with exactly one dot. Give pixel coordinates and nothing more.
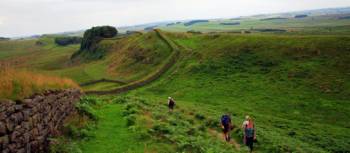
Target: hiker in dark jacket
(226, 125)
(249, 132)
(171, 104)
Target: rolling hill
(127, 59)
(295, 85)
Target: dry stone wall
(26, 125)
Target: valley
(294, 84)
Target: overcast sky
(27, 17)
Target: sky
(29, 17)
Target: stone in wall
(25, 125)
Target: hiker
(249, 132)
(171, 104)
(226, 126)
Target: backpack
(225, 120)
(249, 130)
(171, 103)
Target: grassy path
(233, 142)
(112, 134)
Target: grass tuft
(18, 84)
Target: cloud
(26, 17)
(2, 20)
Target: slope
(167, 64)
(127, 58)
(296, 87)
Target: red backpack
(249, 129)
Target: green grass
(129, 58)
(295, 87)
(131, 124)
(15, 48)
(104, 126)
(112, 134)
(183, 129)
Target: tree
(4, 39)
(95, 34)
(89, 48)
(64, 41)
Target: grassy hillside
(296, 87)
(138, 57)
(127, 59)
(40, 54)
(17, 84)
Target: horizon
(22, 18)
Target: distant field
(316, 23)
(310, 25)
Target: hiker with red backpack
(171, 104)
(249, 132)
(226, 125)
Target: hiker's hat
(247, 117)
(169, 98)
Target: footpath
(112, 135)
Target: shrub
(194, 22)
(62, 145)
(87, 110)
(141, 127)
(202, 127)
(199, 116)
(130, 120)
(89, 100)
(270, 30)
(231, 23)
(212, 123)
(161, 128)
(40, 43)
(64, 41)
(194, 32)
(275, 18)
(301, 16)
(129, 110)
(89, 47)
(120, 100)
(95, 34)
(71, 131)
(4, 39)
